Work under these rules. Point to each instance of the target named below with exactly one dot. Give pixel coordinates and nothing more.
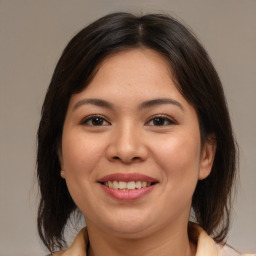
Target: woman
(135, 133)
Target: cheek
(179, 156)
(81, 157)
(80, 152)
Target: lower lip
(127, 195)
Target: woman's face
(131, 151)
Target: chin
(129, 224)
(130, 231)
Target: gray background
(33, 35)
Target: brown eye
(95, 121)
(160, 121)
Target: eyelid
(90, 117)
(163, 116)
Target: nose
(127, 145)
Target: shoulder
(78, 246)
(207, 246)
(229, 251)
(59, 253)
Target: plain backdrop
(33, 35)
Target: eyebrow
(97, 102)
(155, 102)
(143, 105)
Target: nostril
(136, 158)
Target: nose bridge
(127, 144)
(128, 137)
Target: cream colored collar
(205, 244)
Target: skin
(129, 138)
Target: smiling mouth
(130, 185)
(127, 186)
(127, 181)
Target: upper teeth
(127, 185)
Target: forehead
(130, 84)
(138, 61)
(128, 78)
(138, 68)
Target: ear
(207, 156)
(60, 156)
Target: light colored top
(205, 245)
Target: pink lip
(127, 195)
(127, 177)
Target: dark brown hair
(196, 79)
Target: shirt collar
(205, 244)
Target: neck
(164, 242)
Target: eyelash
(90, 118)
(162, 118)
(88, 121)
